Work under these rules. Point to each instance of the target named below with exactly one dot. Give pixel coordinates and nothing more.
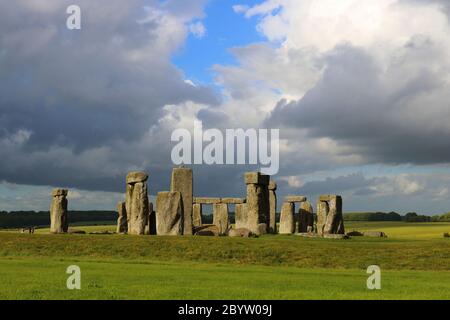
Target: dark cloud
(85, 97)
(387, 116)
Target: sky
(359, 90)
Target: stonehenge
(329, 215)
(178, 213)
(58, 212)
(136, 202)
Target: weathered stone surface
(262, 228)
(169, 214)
(207, 231)
(58, 212)
(273, 185)
(272, 210)
(240, 216)
(135, 177)
(197, 214)
(374, 234)
(240, 233)
(136, 203)
(257, 178)
(335, 220)
(182, 181)
(295, 199)
(122, 221)
(220, 217)
(305, 217)
(336, 236)
(60, 192)
(287, 221)
(326, 198)
(258, 208)
(322, 213)
(233, 200)
(308, 235)
(200, 200)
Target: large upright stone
(273, 207)
(335, 219)
(240, 216)
(136, 202)
(258, 208)
(122, 221)
(182, 181)
(305, 217)
(58, 211)
(197, 215)
(329, 215)
(220, 217)
(169, 214)
(287, 220)
(322, 213)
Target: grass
(415, 263)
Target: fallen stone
(308, 235)
(355, 234)
(207, 231)
(240, 233)
(374, 234)
(336, 236)
(446, 235)
(76, 232)
(169, 214)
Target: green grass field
(415, 264)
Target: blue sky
(225, 29)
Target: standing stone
(240, 216)
(182, 181)
(58, 211)
(122, 221)
(305, 217)
(287, 220)
(322, 213)
(169, 214)
(273, 207)
(197, 215)
(258, 208)
(137, 205)
(329, 215)
(335, 220)
(220, 217)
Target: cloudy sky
(360, 90)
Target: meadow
(414, 259)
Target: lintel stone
(136, 177)
(207, 200)
(256, 178)
(233, 200)
(294, 199)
